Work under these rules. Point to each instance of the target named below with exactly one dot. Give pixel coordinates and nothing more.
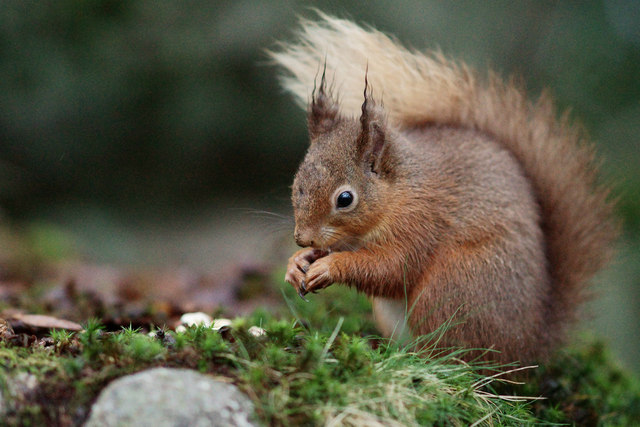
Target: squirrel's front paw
(319, 275)
(298, 266)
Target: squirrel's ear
(323, 111)
(372, 140)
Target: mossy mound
(323, 364)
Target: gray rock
(17, 389)
(170, 397)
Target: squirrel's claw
(298, 267)
(301, 295)
(319, 275)
(303, 290)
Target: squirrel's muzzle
(303, 239)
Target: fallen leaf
(45, 322)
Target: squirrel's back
(420, 89)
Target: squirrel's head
(338, 189)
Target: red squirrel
(447, 196)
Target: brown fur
(470, 201)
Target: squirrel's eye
(344, 199)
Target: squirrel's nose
(302, 239)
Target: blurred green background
(141, 131)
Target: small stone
(196, 319)
(220, 323)
(24, 383)
(17, 389)
(257, 331)
(171, 397)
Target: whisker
(271, 222)
(264, 213)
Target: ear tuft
(323, 111)
(372, 140)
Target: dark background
(140, 130)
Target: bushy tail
(417, 89)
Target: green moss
(144, 349)
(314, 369)
(583, 385)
